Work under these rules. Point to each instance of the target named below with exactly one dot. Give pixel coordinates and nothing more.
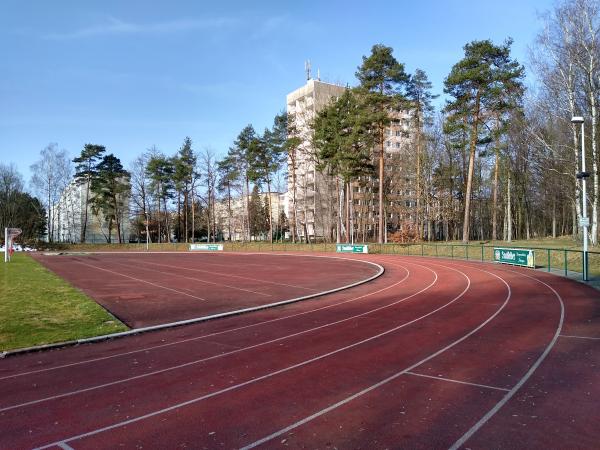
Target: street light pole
(584, 217)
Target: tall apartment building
(67, 217)
(311, 193)
(231, 217)
(315, 192)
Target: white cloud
(113, 26)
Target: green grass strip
(37, 307)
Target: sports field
(432, 353)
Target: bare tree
(50, 176)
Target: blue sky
(132, 74)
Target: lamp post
(584, 221)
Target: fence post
(422, 250)
(467, 251)
(548, 260)
(436, 250)
(482, 253)
(452, 251)
(566, 263)
(408, 249)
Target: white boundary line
(386, 380)
(465, 437)
(198, 280)
(232, 276)
(210, 358)
(140, 280)
(456, 381)
(580, 337)
(200, 319)
(271, 374)
(195, 338)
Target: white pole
(585, 217)
(6, 245)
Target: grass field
(37, 307)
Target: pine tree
(183, 167)
(240, 153)
(85, 171)
(343, 143)
(382, 81)
(160, 170)
(475, 83)
(111, 189)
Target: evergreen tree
(111, 189)
(85, 171)
(228, 181)
(160, 171)
(267, 153)
(241, 153)
(183, 167)
(475, 83)
(343, 142)
(382, 82)
(258, 215)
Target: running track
(433, 354)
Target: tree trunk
(508, 212)
(495, 200)
(248, 206)
(594, 231)
(85, 211)
(381, 183)
(554, 217)
(270, 210)
(473, 146)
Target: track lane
(439, 401)
(217, 380)
(361, 368)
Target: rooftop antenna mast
(307, 69)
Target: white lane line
(209, 358)
(456, 381)
(386, 380)
(465, 437)
(234, 276)
(138, 266)
(580, 337)
(65, 446)
(183, 341)
(141, 281)
(268, 375)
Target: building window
(389, 144)
(398, 133)
(397, 144)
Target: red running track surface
(145, 289)
(433, 354)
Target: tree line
(498, 160)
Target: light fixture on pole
(584, 220)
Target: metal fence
(567, 262)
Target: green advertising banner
(207, 247)
(351, 248)
(517, 256)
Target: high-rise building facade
(312, 195)
(68, 215)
